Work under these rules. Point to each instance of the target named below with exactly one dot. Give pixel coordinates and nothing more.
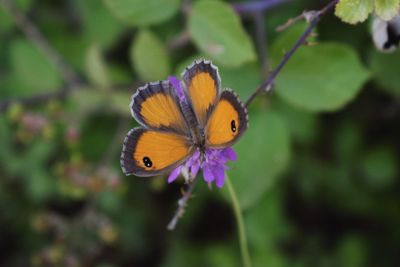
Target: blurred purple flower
(212, 162)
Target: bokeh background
(318, 169)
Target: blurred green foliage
(317, 173)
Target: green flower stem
(244, 249)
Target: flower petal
(229, 154)
(208, 174)
(174, 174)
(194, 169)
(219, 174)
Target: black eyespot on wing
(233, 126)
(243, 122)
(147, 162)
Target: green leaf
(216, 30)
(244, 79)
(354, 11)
(263, 154)
(143, 12)
(387, 9)
(179, 253)
(150, 57)
(385, 69)
(98, 24)
(31, 71)
(380, 167)
(266, 226)
(221, 256)
(303, 125)
(265, 222)
(352, 251)
(324, 77)
(347, 142)
(96, 68)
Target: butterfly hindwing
(227, 122)
(156, 106)
(148, 152)
(203, 84)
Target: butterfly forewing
(148, 152)
(156, 106)
(227, 122)
(202, 83)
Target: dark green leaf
(380, 167)
(32, 72)
(96, 68)
(150, 57)
(99, 25)
(324, 77)
(143, 12)
(217, 31)
(385, 69)
(263, 154)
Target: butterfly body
(176, 122)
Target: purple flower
(212, 163)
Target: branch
(182, 202)
(34, 35)
(268, 83)
(307, 15)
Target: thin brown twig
(182, 203)
(306, 15)
(268, 83)
(35, 36)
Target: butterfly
(174, 126)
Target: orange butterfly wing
(202, 84)
(148, 153)
(156, 106)
(227, 121)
